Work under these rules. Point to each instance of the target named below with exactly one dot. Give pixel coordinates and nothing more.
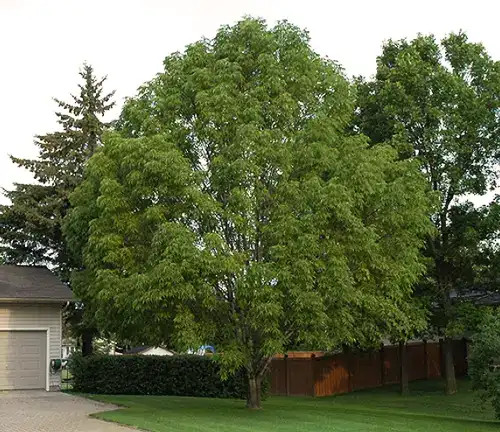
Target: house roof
(478, 297)
(27, 283)
(140, 349)
(136, 350)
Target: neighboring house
(68, 348)
(31, 301)
(146, 350)
(100, 345)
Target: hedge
(187, 375)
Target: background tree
(234, 209)
(484, 360)
(416, 323)
(30, 226)
(442, 100)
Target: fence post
(426, 360)
(382, 364)
(287, 375)
(313, 378)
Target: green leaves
(233, 208)
(483, 360)
(188, 375)
(444, 99)
(31, 225)
(437, 103)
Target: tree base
(450, 389)
(253, 400)
(449, 368)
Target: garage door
(23, 360)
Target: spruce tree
(30, 225)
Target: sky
(44, 42)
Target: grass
(427, 409)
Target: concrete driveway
(37, 411)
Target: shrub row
(188, 375)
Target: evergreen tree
(30, 226)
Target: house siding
(37, 316)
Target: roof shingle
(31, 283)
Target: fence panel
(277, 377)
(315, 374)
(331, 375)
(391, 365)
(301, 380)
(433, 360)
(416, 361)
(366, 370)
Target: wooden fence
(320, 374)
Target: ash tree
(231, 208)
(31, 224)
(438, 103)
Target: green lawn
(425, 410)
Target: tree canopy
(484, 358)
(231, 207)
(439, 103)
(31, 224)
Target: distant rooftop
(481, 298)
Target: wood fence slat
(320, 374)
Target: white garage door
(23, 360)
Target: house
(71, 346)
(31, 301)
(146, 350)
(68, 348)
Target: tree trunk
(449, 367)
(403, 369)
(445, 286)
(87, 343)
(254, 389)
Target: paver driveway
(37, 411)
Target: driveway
(37, 411)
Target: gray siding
(36, 316)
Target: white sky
(44, 42)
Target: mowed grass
(427, 409)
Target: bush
(187, 375)
(484, 361)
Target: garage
(31, 302)
(23, 360)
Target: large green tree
(232, 208)
(442, 100)
(30, 225)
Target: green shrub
(187, 375)
(484, 361)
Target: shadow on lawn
(426, 399)
(426, 409)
